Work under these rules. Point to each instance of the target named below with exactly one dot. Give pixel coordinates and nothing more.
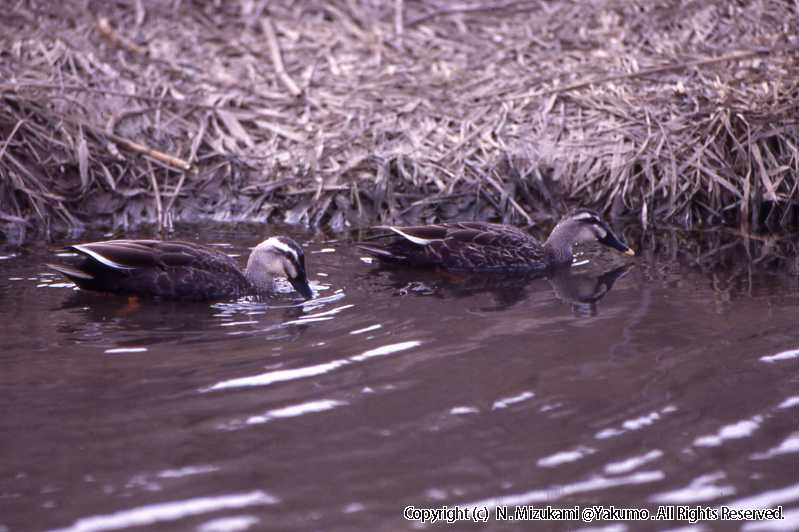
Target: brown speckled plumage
(487, 247)
(465, 246)
(169, 269)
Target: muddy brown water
(629, 383)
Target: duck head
(583, 225)
(278, 256)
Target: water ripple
(230, 524)
(168, 511)
(564, 457)
(741, 429)
(271, 377)
(768, 499)
(367, 329)
(463, 410)
(118, 350)
(635, 423)
(784, 355)
(634, 462)
(564, 490)
(789, 445)
(265, 379)
(700, 489)
(507, 401)
(187, 471)
(295, 410)
(789, 402)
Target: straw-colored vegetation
(350, 112)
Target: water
(658, 384)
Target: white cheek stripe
(414, 239)
(585, 216)
(274, 242)
(101, 259)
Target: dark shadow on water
(718, 249)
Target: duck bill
(614, 242)
(300, 284)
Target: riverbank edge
(349, 114)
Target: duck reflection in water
(582, 289)
(142, 322)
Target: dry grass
(350, 112)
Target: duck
(490, 247)
(172, 269)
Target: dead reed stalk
(347, 113)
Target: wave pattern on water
(397, 388)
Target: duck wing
(170, 269)
(131, 254)
(465, 246)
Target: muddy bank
(343, 114)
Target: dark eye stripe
(294, 246)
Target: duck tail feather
(379, 252)
(406, 234)
(95, 251)
(72, 273)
